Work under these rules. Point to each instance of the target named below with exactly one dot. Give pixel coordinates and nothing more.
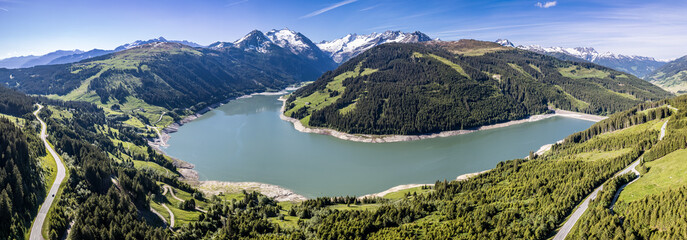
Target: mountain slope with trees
(440, 86)
(170, 77)
(672, 76)
(109, 196)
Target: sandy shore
(403, 138)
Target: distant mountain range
(173, 75)
(672, 76)
(636, 65)
(439, 86)
(338, 50)
(351, 45)
(70, 56)
(30, 61)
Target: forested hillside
(518, 199)
(652, 207)
(439, 86)
(21, 175)
(116, 181)
(672, 76)
(166, 77)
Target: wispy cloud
(546, 4)
(452, 32)
(4, 9)
(370, 7)
(384, 27)
(236, 3)
(327, 9)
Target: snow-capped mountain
(160, 39)
(351, 45)
(505, 43)
(255, 41)
(280, 42)
(218, 45)
(637, 65)
(296, 43)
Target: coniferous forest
(433, 87)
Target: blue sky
(649, 28)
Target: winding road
(61, 173)
(169, 189)
(570, 223)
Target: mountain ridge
(639, 66)
(422, 88)
(672, 76)
(351, 45)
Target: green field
(598, 155)
(181, 217)
(456, 67)
(46, 224)
(577, 72)
(666, 173)
(154, 166)
(50, 170)
(323, 98)
(19, 121)
(576, 102)
(402, 194)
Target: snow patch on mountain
(639, 66)
(351, 45)
(254, 41)
(505, 43)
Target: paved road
(61, 173)
(570, 223)
(663, 131)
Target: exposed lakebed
(246, 141)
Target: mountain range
(30, 61)
(636, 65)
(338, 50)
(117, 185)
(70, 56)
(173, 75)
(671, 76)
(351, 45)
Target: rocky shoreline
(189, 175)
(409, 186)
(367, 138)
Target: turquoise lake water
(245, 140)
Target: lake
(246, 141)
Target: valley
(390, 135)
(235, 134)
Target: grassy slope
(181, 217)
(664, 174)
(127, 60)
(321, 99)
